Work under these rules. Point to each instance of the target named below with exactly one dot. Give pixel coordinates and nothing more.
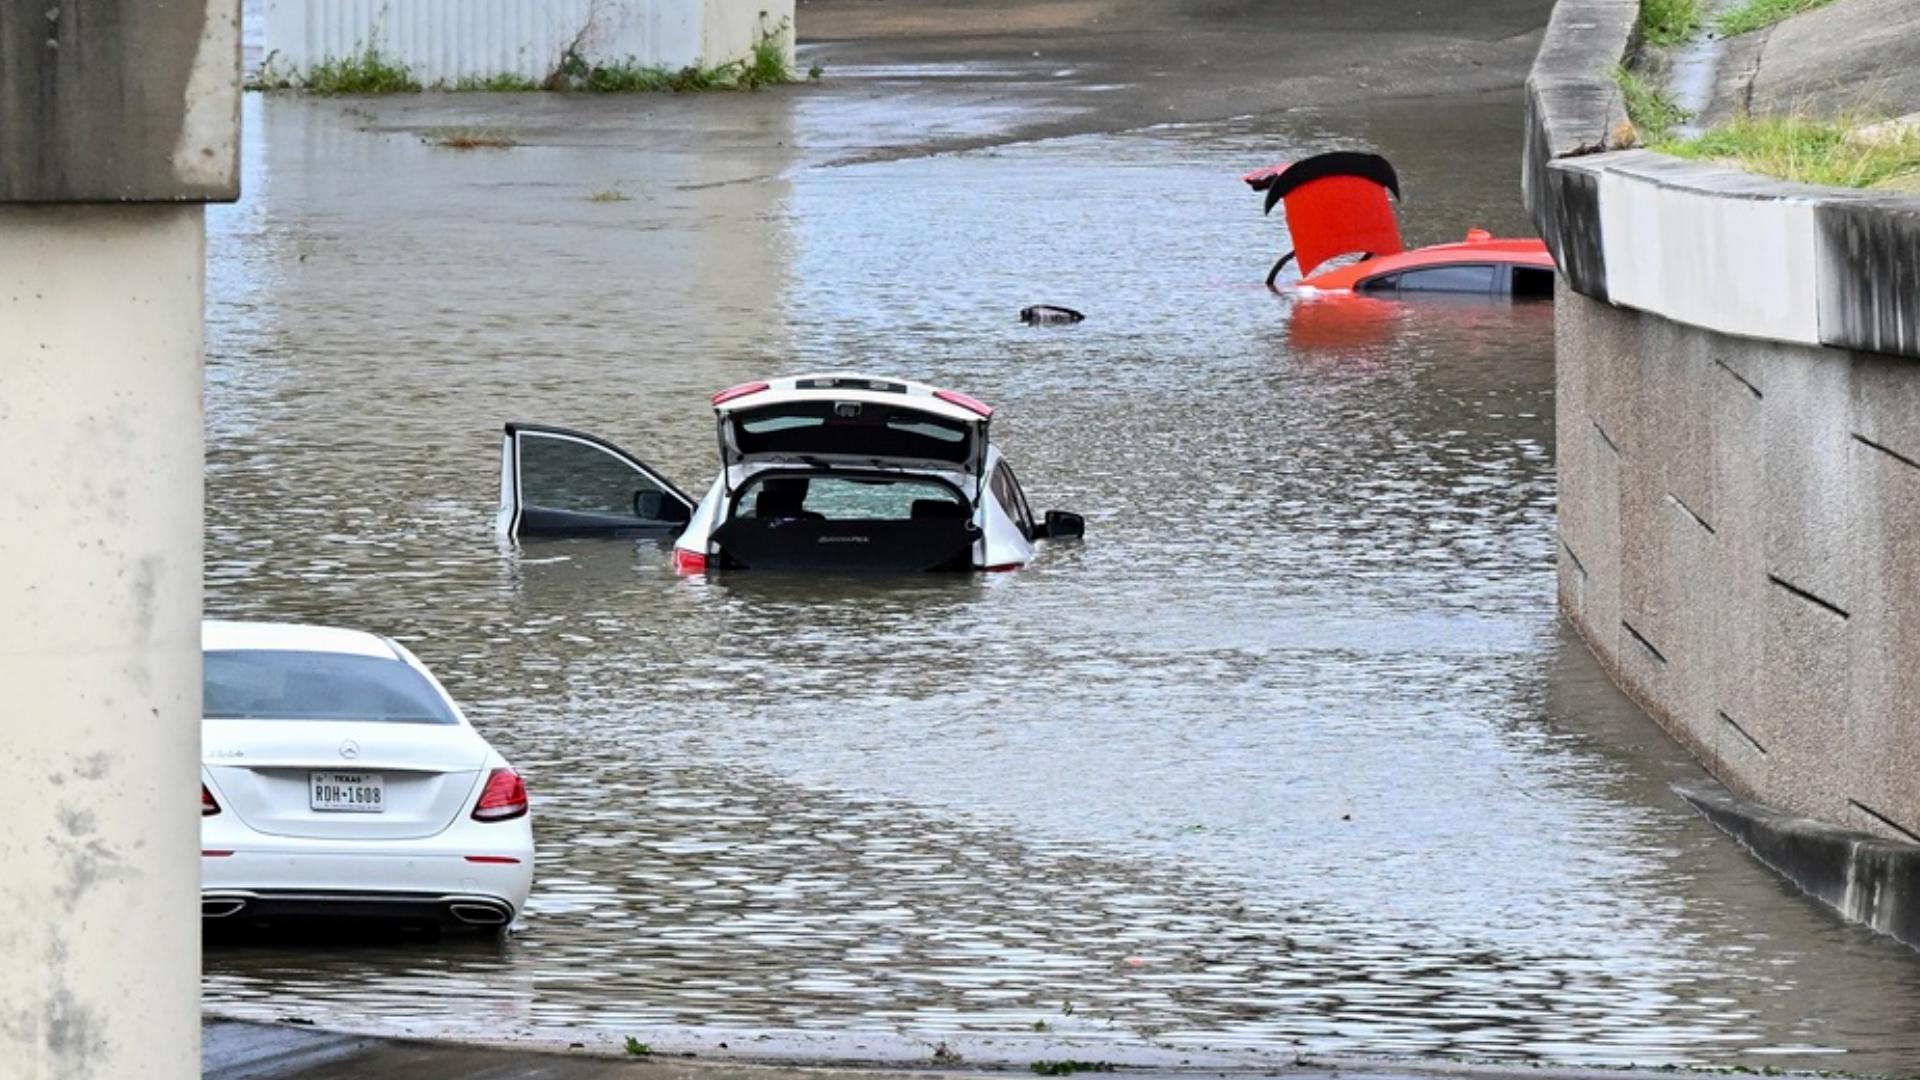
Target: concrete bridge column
(118, 118)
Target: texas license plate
(352, 792)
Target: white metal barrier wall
(445, 41)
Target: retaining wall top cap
(1731, 182)
(1714, 178)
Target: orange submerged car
(1336, 204)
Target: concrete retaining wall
(1738, 413)
(1740, 530)
(445, 41)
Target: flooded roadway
(1292, 755)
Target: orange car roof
(1478, 247)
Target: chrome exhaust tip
(220, 907)
(474, 914)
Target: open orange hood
(1336, 205)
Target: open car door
(557, 482)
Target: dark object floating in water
(1049, 315)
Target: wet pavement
(244, 1050)
(1291, 756)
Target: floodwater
(1291, 755)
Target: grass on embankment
(1758, 14)
(1669, 22)
(1808, 151)
(1650, 108)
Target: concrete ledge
(1572, 97)
(1709, 246)
(1572, 105)
(1869, 274)
(1866, 879)
(1569, 198)
(1741, 254)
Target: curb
(1866, 879)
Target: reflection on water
(1290, 754)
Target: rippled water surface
(1291, 754)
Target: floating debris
(1049, 315)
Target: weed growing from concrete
(620, 78)
(367, 72)
(631, 77)
(607, 195)
(504, 83)
(1669, 22)
(271, 76)
(1757, 14)
(1068, 1068)
(1651, 109)
(1809, 151)
(370, 71)
(473, 139)
(766, 66)
(638, 1048)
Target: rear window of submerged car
(863, 429)
(279, 684)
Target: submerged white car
(338, 778)
(817, 472)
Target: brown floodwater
(1291, 755)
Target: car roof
(221, 635)
(1500, 252)
(851, 386)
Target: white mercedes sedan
(338, 778)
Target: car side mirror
(1061, 525)
(649, 505)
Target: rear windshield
(273, 684)
(823, 497)
(856, 428)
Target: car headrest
(937, 508)
(779, 501)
